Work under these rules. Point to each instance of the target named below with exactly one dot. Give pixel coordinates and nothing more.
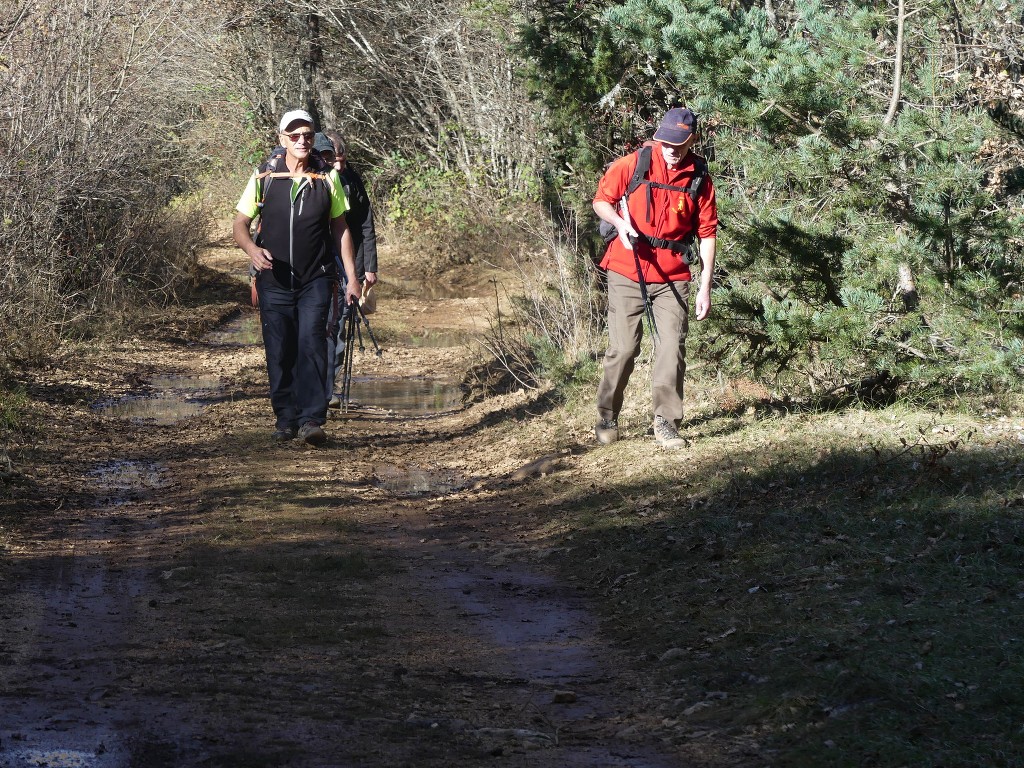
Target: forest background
(866, 157)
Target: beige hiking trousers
(625, 329)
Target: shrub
(98, 161)
(446, 218)
(554, 330)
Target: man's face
(297, 139)
(674, 153)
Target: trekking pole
(346, 384)
(369, 330)
(343, 390)
(648, 304)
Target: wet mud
(116, 654)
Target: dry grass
(837, 588)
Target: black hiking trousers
(296, 347)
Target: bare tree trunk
(897, 79)
(272, 85)
(325, 100)
(908, 288)
(311, 67)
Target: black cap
(322, 144)
(676, 127)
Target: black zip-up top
(298, 232)
(360, 222)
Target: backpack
(683, 247)
(265, 175)
(268, 171)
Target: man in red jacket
(656, 226)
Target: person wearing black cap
(655, 223)
(302, 217)
(364, 241)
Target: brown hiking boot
(283, 435)
(311, 433)
(666, 434)
(607, 431)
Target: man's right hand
(260, 258)
(627, 235)
(352, 292)
(606, 212)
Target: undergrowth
(443, 217)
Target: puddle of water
(524, 614)
(244, 331)
(416, 481)
(195, 386)
(57, 758)
(127, 475)
(538, 630)
(424, 289)
(174, 399)
(408, 396)
(162, 410)
(122, 481)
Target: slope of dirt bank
(177, 591)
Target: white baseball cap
(290, 117)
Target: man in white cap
(656, 203)
(302, 214)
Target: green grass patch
(13, 408)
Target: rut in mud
(186, 593)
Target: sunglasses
(306, 136)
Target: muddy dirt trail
(179, 591)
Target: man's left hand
(703, 304)
(371, 279)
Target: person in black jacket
(364, 242)
(301, 205)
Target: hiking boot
(334, 402)
(666, 434)
(607, 431)
(311, 433)
(283, 435)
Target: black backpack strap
(265, 171)
(682, 247)
(700, 172)
(268, 167)
(643, 167)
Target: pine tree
(834, 191)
